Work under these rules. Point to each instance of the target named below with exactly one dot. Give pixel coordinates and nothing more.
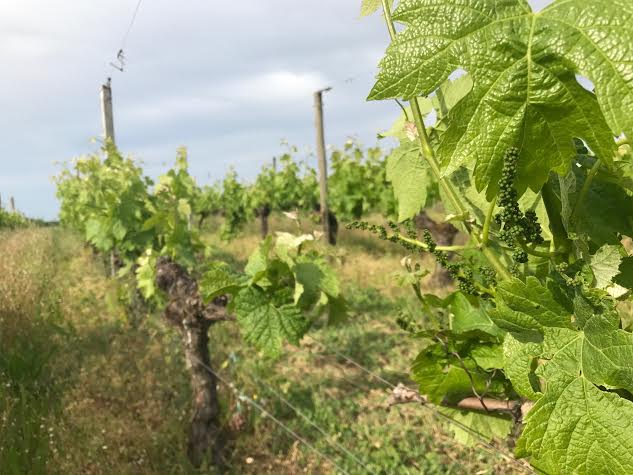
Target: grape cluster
(461, 274)
(576, 281)
(488, 275)
(562, 267)
(515, 270)
(409, 227)
(516, 227)
(381, 232)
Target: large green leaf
(523, 67)
(576, 428)
(265, 324)
(600, 352)
(408, 173)
(519, 364)
(529, 306)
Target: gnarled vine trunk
(187, 312)
(264, 213)
(333, 228)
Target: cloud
(276, 87)
(227, 79)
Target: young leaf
(267, 324)
(218, 280)
(408, 173)
(313, 276)
(368, 7)
(258, 260)
(146, 274)
(605, 265)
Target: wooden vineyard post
(11, 204)
(107, 120)
(320, 139)
(107, 117)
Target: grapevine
(528, 175)
(286, 283)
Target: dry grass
(115, 397)
(25, 269)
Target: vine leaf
(571, 429)
(313, 277)
(97, 234)
(607, 210)
(605, 264)
(438, 383)
(258, 261)
(519, 360)
(528, 306)
(265, 324)
(600, 352)
(576, 428)
(410, 178)
(146, 274)
(523, 65)
(368, 7)
(488, 357)
(218, 280)
(443, 377)
(466, 318)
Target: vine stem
(536, 253)
(560, 239)
(585, 187)
(486, 230)
(429, 155)
(422, 245)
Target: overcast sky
(229, 80)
